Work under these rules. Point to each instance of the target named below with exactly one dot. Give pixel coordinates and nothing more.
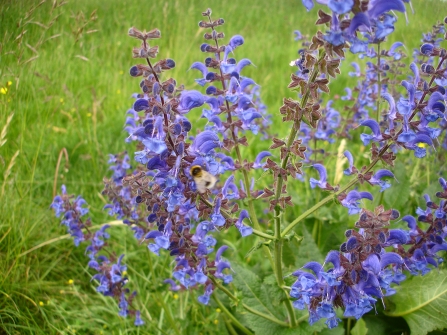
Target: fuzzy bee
(203, 179)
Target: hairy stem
(265, 316)
(279, 184)
(230, 316)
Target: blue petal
(382, 6)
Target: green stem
(303, 318)
(265, 316)
(229, 326)
(279, 184)
(379, 89)
(233, 319)
(318, 205)
(224, 290)
(169, 315)
(264, 235)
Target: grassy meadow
(66, 89)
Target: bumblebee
(203, 179)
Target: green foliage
(67, 63)
(359, 328)
(260, 297)
(421, 301)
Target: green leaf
(380, 324)
(359, 328)
(339, 330)
(308, 250)
(397, 195)
(260, 297)
(422, 301)
(276, 294)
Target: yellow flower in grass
(3, 90)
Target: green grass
(68, 66)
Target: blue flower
(340, 6)
(376, 135)
(191, 99)
(322, 182)
(138, 321)
(243, 229)
(377, 179)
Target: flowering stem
(235, 321)
(379, 84)
(279, 183)
(165, 117)
(425, 92)
(251, 209)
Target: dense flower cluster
(363, 270)
(182, 217)
(111, 274)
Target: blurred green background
(64, 73)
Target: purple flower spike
(390, 258)
(322, 182)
